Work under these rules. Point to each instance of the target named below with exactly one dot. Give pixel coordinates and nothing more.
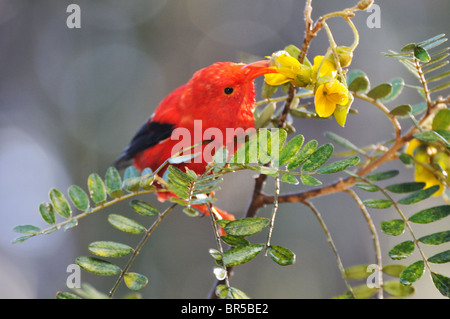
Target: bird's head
(228, 87)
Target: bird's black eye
(228, 90)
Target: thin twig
(331, 242)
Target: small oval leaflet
(309, 180)
(442, 283)
(79, 197)
(357, 272)
(125, 224)
(397, 87)
(289, 178)
(246, 226)
(393, 227)
(223, 292)
(113, 182)
(47, 213)
(405, 187)
(143, 208)
(97, 188)
(281, 255)
(383, 175)
(436, 238)
(440, 258)
(241, 255)
(318, 158)
(393, 270)
(412, 273)
(301, 157)
(357, 81)
(109, 249)
(430, 214)
(397, 289)
(339, 165)
(378, 203)
(419, 195)
(135, 281)
(290, 149)
(380, 91)
(98, 266)
(60, 203)
(402, 250)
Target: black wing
(150, 134)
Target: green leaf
(29, 229)
(397, 289)
(240, 255)
(268, 90)
(125, 224)
(135, 281)
(402, 250)
(113, 182)
(47, 212)
(79, 197)
(440, 258)
(281, 255)
(393, 227)
(357, 81)
(301, 157)
(60, 203)
(419, 195)
(235, 241)
(382, 175)
(357, 272)
(143, 208)
(308, 180)
(430, 214)
(289, 178)
(367, 187)
(405, 187)
(378, 203)
(436, 238)
(97, 188)
(394, 270)
(66, 295)
(441, 120)
(98, 266)
(265, 116)
(339, 165)
(397, 87)
(412, 273)
(421, 54)
(380, 91)
(318, 158)
(344, 142)
(401, 110)
(109, 249)
(223, 292)
(290, 149)
(131, 179)
(246, 226)
(442, 283)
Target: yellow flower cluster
(331, 96)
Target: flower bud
(345, 55)
(364, 4)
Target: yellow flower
(328, 95)
(427, 157)
(324, 67)
(289, 70)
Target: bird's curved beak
(258, 68)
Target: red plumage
(221, 96)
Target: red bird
(217, 97)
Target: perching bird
(217, 97)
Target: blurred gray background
(71, 99)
